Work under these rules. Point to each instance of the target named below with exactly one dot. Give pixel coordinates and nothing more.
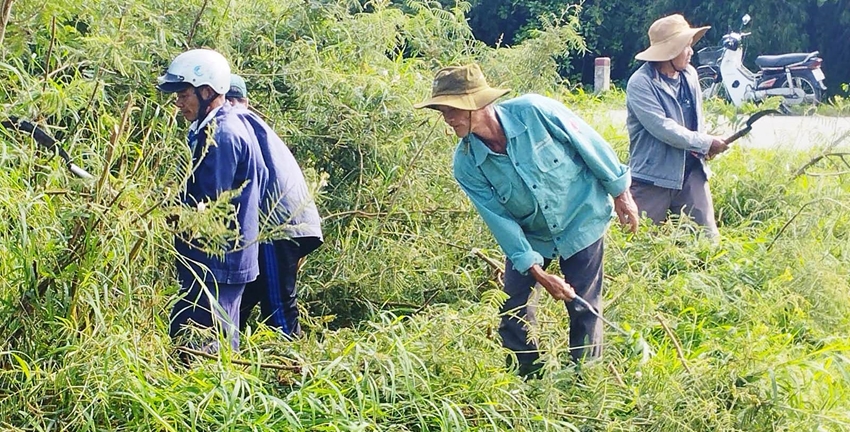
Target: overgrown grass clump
(401, 311)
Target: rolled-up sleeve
(505, 229)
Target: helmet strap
(673, 66)
(203, 104)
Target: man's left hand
(627, 210)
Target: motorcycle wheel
(711, 89)
(811, 92)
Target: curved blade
(595, 312)
(759, 115)
(749, 125)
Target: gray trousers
(693, 200)
(584, 272)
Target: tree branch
(195, 24)
(816, 159)
(5, 12)
(679, 352)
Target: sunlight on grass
(401, 311)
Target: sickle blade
(759, 115)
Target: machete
(46, 141)
(749, 125)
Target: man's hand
(627, 210)
(718, 145)
(556, 286)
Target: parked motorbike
(797, 77)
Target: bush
(400, 309)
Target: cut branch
(500, 272)
(292, 368)
(832, 157)
(826, 153)
(679, 352)
(49, 52)
(195, 24)
(617, 376)
(799, 212)
(5, 12)
(372, 215)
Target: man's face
(681, 61)
(460, 120)
(238, 102)
(188, 103)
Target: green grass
(401, 312)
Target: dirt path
(788, 132)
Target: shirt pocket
(518, 205)
(502, 192)
(549, 155)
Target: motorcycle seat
(775, 61)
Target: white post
(601, 74)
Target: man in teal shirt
(541, 179)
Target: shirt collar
(195, 126)
(511, 125)
(663, 84)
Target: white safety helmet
(196, 67)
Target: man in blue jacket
(668, 144)
(237, 95)
(225, 157)
(288, 214)
(541, 179)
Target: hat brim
(236, 94)
(466, 102)
(669, 49)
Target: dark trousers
(583, 271)
(207, 306)
(274, 288)
(694, 200)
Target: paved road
(787, 132)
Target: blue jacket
(658, 139)
(549, 196)
(286, 199)
(225, 156)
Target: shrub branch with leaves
(400, 308)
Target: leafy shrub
(400, 309)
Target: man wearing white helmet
(225, 157)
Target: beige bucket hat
(461, 87)
(668, 37)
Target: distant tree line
(617, 29)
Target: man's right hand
(718, 145)
(555, 285)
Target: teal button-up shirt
(549, 196)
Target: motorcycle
(797, 77)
